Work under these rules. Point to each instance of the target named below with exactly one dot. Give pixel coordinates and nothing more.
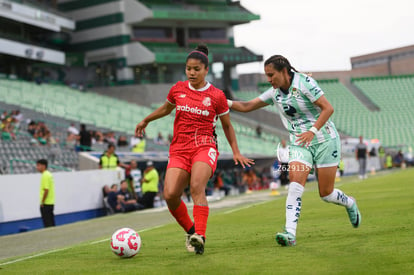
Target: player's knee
(197, 189)
(171, 195)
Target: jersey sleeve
(47, 181)
(267, 96)
(171, 95)
(222, 107)
(312, 89)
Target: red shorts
(186, 159)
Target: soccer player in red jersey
(193, 150)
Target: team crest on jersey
(181, 95)
(207, 101)
(295, 92)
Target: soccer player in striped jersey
(305, 113)
(193, 150)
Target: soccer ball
(125, 243)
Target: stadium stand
(395, 97)
(59, 106)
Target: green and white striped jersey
(297, 109)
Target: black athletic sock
(191, 231)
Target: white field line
(244, 207)
(61, 249)
(105, 240)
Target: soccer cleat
(188, 245)
(286, 239)
(354, 214)
(197, 241)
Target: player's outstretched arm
(246, 106)
(161, 111)
(231, 138)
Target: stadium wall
(78, 197)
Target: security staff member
(109, 160)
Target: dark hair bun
(202, 48)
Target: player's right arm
(247, 106)
(161, 111)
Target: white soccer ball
(125, 243)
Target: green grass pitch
(242, 241)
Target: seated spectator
(219, 183)
(159, 139)
(112, 195)
(398, 159)
(259, 131)
(99, 138)
(31, 128)
(6, 128)
(4, 115)
(17, 118)
(125, 198)
(109, 137)
(122, 141)
(250, 179)
(42, 133)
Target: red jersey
(196, 115)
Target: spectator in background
(138, 144)
(398, 159)
(42, 133)
(6, 129)
(99, 138)
(113, 201)
(17, 118)
(372, 160)
(388, 161)
(110, 138)
(85, 139)
(159, 139)
(249, 179)
(259, 131)
(135, 175)
(381, 155)
(341, 167)
(149, 185)
(109, 160)
(72, 130)
(47, 194)
(4, 115)
(283, 157)
(125, 198)
(361, 153)
(170, 138)
(219, 183)
(122, 141)
(31, 128)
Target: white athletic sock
(293, 206)
(340, 198)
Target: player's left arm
(231, 138)
(326, 112)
